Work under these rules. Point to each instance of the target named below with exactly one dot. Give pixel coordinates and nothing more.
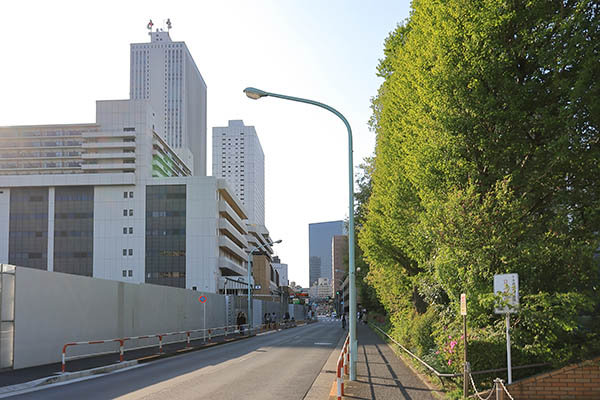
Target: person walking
(344, 321)
(238, 321)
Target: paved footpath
(381, 374)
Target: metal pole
(508, 348)
(250, 290)
(256, 93)
(204, 330)
(465, 366)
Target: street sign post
(463, 312)
(202, 299)
(507, 287)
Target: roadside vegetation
(487, 162)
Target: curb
(66, 377)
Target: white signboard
(507, 286)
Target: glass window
(130, 252)
(130, 273)
(124, 273)
(130, 230)
(124, 252)
(124, 231)
(131, 195)
(131, 212)
(124, 195)
(125, 212)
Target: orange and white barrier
(213, 332)
(342, 364)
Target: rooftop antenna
(168, 24)
(149, 26)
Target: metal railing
(342, 364)
(498, 383)
(206, 334)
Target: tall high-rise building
(339, 254)
(164, 73)
(319, 248)
(239, 159)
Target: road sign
(463, 304)
(507, 286)
(202, 299)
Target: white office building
(239, 159)
(111, 199)
(164, 73)
(320, 289)
(282, 269)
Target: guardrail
(207, 333)
(342, 363)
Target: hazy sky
(58, 57)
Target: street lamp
(250, 281)
(256, 94)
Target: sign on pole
(463, 304)
(507, 286)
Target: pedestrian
(238, 321)
(266, 320)
(242, 323)
(343, 321)
(286, 319)
(274, 319)
(364, 317)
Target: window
(124, 252)
(124, 195)
(124, 231)
(131, 195)
(124, 273)
(131, 230)
(130, 252)
(194, 288)
(130, 273)
(131, 212)
(125, 212)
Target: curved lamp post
(256, 94)
(250, 284)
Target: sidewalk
(381, 375)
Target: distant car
(334, 314)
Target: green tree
(487, 161)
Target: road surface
(281, 365)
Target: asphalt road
(281, 365)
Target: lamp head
(278, 241)
(254, 93)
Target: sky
(58, 57)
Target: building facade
(339, 253)
(113, 200)
(164, 73)
(239, 159)
(321, 289)
(319, 248)
(282, 269)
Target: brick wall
(578, 381)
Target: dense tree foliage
(488, 161)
